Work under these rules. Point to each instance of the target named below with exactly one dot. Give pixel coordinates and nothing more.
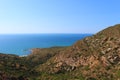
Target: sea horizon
(39, 33)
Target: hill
(13, 67)
(95, 57)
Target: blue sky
(58, 16)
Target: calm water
(21, 44)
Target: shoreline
(32, 50)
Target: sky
(57, 16)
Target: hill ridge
(99, 53)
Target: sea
(21, 44)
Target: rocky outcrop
(97, 56)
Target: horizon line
(47, 33)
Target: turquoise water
(20, 44)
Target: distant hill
(95, 57)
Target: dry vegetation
(94, 58)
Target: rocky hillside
(13, 67)
(94, 58)
(40, 56)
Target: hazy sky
(58, 16)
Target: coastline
(22, 44)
